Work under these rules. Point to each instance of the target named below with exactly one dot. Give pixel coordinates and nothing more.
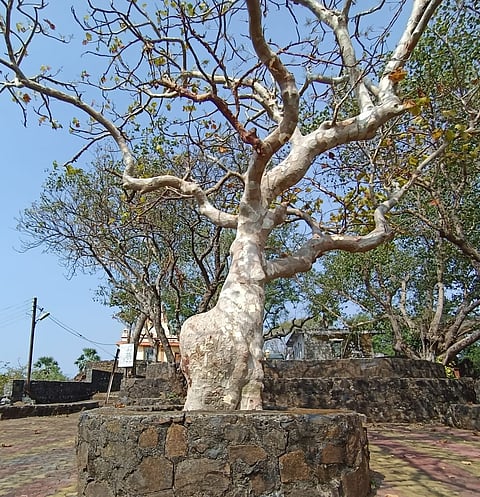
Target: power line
(77, 334)
(14, 313)
(18, 312)
(24, 304)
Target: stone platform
(20, 410)
(300, 453)
(388, 389)
(393, 390)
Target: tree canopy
(47, 368)
(88, 355)
(229, 79)
(426, 283)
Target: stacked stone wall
(403, 400)
(100, 380)
(382, 367)
(466, 416)
(51, 392)
(229, 454)
(383, 389)
(54, 392)
(162, 385)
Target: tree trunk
(139, 324)
(222, 349)
(162, 336)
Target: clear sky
(27, 153)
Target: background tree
(159, 263)
(420, 292)
(446, 200)
(184, 58)
(47, 368)
(88, 355)
(9, 373)
(471, 357)
(148, 255)
(438, 280)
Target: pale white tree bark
(222, 348)
(223, 366)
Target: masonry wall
(380, 367)
(101, 379)
(384, 389)
(126, 453)
(53, 392)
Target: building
(327, 344)
(150, 348)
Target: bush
(9, 373)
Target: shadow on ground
(424, 461)
(37, 459)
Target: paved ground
(37, 456)
(37, 459)
(424, 461)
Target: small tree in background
(9, 373)
(88, 355)
(47, 368)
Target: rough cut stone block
(176, 444)
(403, 400)
(466, 416)
(126, 453)
(388, 389)
(154, 473)
(379, 367)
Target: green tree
(431, 283)
(420, 293)
(9, 373)
(446, 199)
(472, 355)
(47, 368)
(157, 261)
(88, 355)
(168, 259)
(183, 59)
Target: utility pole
(26, 388)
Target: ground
(37, 459)
(37, 456)
(424, 461)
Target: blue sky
(27, 155)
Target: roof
(329, 333)
(149, 343)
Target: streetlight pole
(26, 388)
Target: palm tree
(47, 368)
(88, 355)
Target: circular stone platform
(300, 453)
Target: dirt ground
(37, 459)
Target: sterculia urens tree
(290, 81)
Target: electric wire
(77, 334)
(19, 312)
(15, 313)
